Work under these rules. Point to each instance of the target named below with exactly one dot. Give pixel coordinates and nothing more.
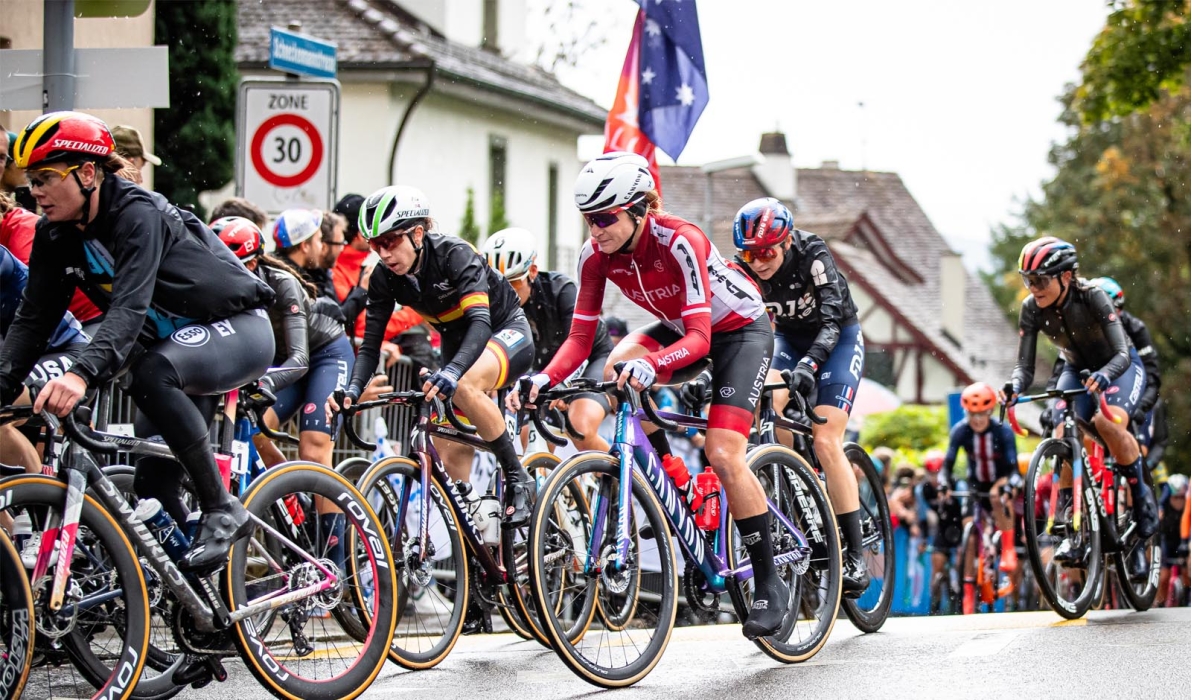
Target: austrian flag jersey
(676, 274)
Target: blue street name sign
(301, 54)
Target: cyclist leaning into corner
(1079, 318)
(705, 307)
(992, 456)
(485, 337)
(181, 313)
(1140, 339)
(548, 300)
(817, 338)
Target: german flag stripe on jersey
(457, 311)
(498, 351)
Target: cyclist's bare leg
(1117, 437)
(270, 455)
(1003, 514)
(828, 440)
(585, 416)
(726, 453)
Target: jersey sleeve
(1115, 334)
(290, 302)
(589, 300)
(690, 249)
(825, 279)
(1028, 334)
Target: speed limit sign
(286, 134)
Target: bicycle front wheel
(795, 491)
(568, 566)
(1064, 547)
(432, 584)
(16, 621)
(296, 649)
(869, 611)
(95, 645)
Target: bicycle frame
(80, 469)
(633, 451)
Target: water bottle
(707, 491)
(163, 527)
(488, 520)
(192, 524)
(675, 468)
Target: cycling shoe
(519, 502)
(770, 604)
(219, 528)
(1146, 514)
(1074, 555)
(855, 579)
(1136, 564)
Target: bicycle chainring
(704, 602)
(193, 640)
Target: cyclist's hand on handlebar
(694, 393)
(528, 386)
(802, 379)
(61, 394)
(441, 383)
(332, 407)
(1009, 392)
(639, 373)
(1097, 382)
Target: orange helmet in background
(978, 398)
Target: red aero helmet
(978, 398)
(240, 235)
(762, 223)
(63, 136)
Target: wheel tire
(118, 681)
(376, 483)
(796, 483)
(16, 621)
(1052, 454)
(875, 509)
(590, 669)
(1140, 596)
(280, 671)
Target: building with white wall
(472, 117)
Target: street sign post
(287, 133)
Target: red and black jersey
(675, 273)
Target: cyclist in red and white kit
(705, 308)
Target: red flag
(621, 130)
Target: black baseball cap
(349, 208)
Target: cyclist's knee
(154, 372)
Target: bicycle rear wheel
(869, 611)
(432, 588)
(16, 621)
(102, 628)
(1069, 583)
(564, 580)
(297, 649)
(795, 491)
(1140, 594)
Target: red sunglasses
(759, 254)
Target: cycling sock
(199, 461)
(755, 534)
(506, 456)
(1135, 476)
(331, 528)
(850, 527)
(160, 478)
(661, 445)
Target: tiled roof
(378, 34)
(835, 204)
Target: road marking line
(1081, 622)
(984, 645)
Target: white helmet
(511, 252)
(391, 208)
(614, 179)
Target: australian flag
(664, 86)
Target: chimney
(777, 174)
(953, 280)
(830, 165)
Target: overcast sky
(960, 97)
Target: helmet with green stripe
(392, 208)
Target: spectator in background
(903, 507)
(238, 206)
(883, 457)
(130, 145)
(17, 227)
(1172, 541)
(12, 178)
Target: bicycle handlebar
(1007, 410)
(83, 434)
(446, 408)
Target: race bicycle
(16, 621)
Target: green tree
(1121, 195)
(468, 230)
(496, 213)
(1141, 55)
(196, 136)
